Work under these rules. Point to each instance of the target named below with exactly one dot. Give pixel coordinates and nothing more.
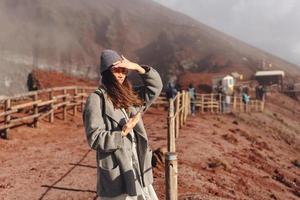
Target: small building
(237, 76)
(225, 83)
(269, 78)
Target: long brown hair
(121, 95)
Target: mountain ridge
(69, 37)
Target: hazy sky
(272, 25)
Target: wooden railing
(179, 109)
(218, 103)
(31, 107)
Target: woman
(114, 128)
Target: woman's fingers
(136, 118)
(116, 63)
(125, 63)
(122, 64)
(131, 123)
(125, 59)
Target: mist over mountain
(68, 36)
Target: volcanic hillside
(68, 36)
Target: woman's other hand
(130, 124)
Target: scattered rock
(216, 162)
(214, 132)
(230, 138)
(273, 196)
(33, 169)
(296, 163)
(217, 125)
(290, 184)
(5, 186)
(235, 122)
(232, 130)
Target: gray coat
(103, 126)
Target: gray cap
(108, 57)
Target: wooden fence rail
(31, 107)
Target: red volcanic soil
(233, 156)
(48, 79)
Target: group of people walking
(171, 92)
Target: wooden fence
(31, 107)
(217, 103)
(179, 109)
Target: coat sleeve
(151, 88)
(97, 135)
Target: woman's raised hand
(125, 63)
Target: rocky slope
(69, 36)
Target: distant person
(257, 92)
(220, 97)
(260, 92)
(114, 128)
(192, 93)
(227, 103)
(171, 91)
(32, 82)
(246, 99)
(263, 93)
(178, 87)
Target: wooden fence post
(7, 107)
(186, 106)
(211, 102)
(65, 105)
(171, 127)
(177, 114)
(171, 170)
(262, 105)
(255, 105)
(202, 103)
(75, 101)
(51, 116)
(181, 108)
(220, 103)
(234, 103)
(82, 98)
(35, 111)
(241, 105)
